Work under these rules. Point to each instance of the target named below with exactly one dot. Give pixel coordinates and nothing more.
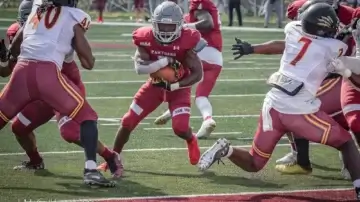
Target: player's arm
(205, 21)
(242, 48)
(82, 48)
(143, 64)
(8, 62)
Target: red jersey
(213, 37)
(188, 40)
(11, 31)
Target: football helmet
(320, 19)
(68, 3)
(167, 22)
(24, 11)
(309, 3)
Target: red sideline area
(313, 196)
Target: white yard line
(214, 96)
(223, 69)
(133, 150)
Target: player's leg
(262, 147)
(299, 162)
(321, 128)
(31, 117)
(62, 95)
(16, 93)
(146, 100)
(203, 90)
(180, 108)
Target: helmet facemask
(167, 31)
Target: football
(167, 73)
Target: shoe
(162, 119)
(29, 165)
(289, 158)
(94, 177)
(293, 169)
(213, 154)
(207, 127)
(115, 166)
(193, 151)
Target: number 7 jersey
(306, 57)
(48, 37)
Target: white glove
(338, 67)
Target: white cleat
(162, 119)
(289, 158)
(207, 127)
(213, 154)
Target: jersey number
(50, 18)
(303, 50)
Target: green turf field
(156, 161)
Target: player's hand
(241, 48)
(3, 51)
(163, 84)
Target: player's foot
(193, 151)
(289, 158)
(115, 166)
(214, 153)
(94, 177)
(207, 127)
(293, 169)
(162, 119)
(29, 165)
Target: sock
(90, 165)
(167, 113)
(204, 107)
(34, 156)
(89, 139)
(302, 146)
(191, 139)
(106, 154)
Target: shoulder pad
(81, 17)
(293, 8)
(201, 44)
(11, 31)
(141, 36)
(194, 4)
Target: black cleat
(29, 165)
(95, 178)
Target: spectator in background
(139, 10)
(269, 6)
(235, 4)
(100, 6)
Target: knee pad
(70, 131)
(130, 120)
(353, 120)
(180, 124)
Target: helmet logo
(166, 20)
(325, 21)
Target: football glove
(3, 52)
(241, 48)
(163, 84)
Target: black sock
(89, 139)
(302, 146)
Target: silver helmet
(24, 11)
(167, 21)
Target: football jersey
(48, 37)
(305, 59)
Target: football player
(291, 104)
(38, 113)
(298, 161)
(165, 43)
(50, 32)
(204, 17)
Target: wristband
(174, 86)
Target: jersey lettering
(51, 17)
(85, 23)
(303, 50)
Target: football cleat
(293, 169)
(207, 127)
(115, 166)
(213, 154)
(95, 178)
(289, 158)
(163, 119)
(28, 165)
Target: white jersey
(305, 59)
(49, 37)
